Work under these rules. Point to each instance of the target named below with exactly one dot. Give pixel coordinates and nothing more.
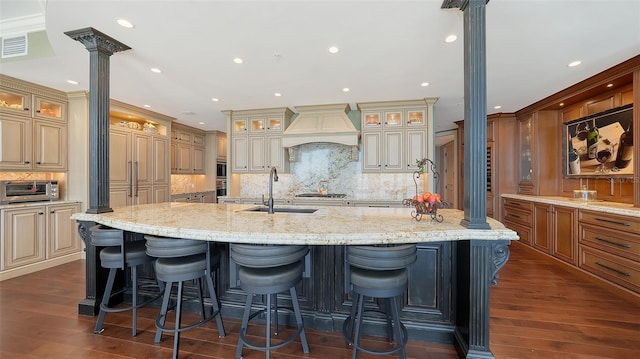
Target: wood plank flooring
(538, 310)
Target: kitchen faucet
(273, 176)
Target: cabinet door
(50, 146)
(543, 222)
(198, 140)
(161, 153)
(142, 159)
(49, 109)
(24, 233)
(221, 142)
(525, 168)
(565, 244)
(275, 153)
(371, 152)
(119, 196)
(257, 159)
(142, 195)
(416, 148)
(15, 149)
(15, 102)
(240, 152)
(161, 194)
(120, 163)
(184, 159)
(257, 125)
(393, 119)
(198, 160)
(371, 120)
(416, 118)
(174, 158)
(393, 151)
(62, 236)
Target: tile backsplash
(332, 163)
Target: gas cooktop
(324, 195)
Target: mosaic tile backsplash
(332, 163)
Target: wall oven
(28, 191)
(221, 169)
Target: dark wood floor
(538, 310)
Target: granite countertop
(626, 209)
(326, 226)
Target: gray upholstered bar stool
(268, 270)
(179, 260)
(119, 254)
(378, 272)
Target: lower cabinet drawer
(616, 242)
(514, 215)
(613, 268)
(523, 232)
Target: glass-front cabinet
(15, 102)
(49, 109)
(371, 120)
(239, 125)
(266, 125)
(525, 140)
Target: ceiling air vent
(14, 46)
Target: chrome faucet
(273, 177)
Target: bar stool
(119, 254)
(179, 260)
(269, 270)
(378, 272)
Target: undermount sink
(281, 210)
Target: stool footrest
(347, 336)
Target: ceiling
(387, 49)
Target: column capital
(95, 40)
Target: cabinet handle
(26, 162)
(137, 174)
(515, 204)
(626, 224)
(621, 245)
(130, 179)
(514, 215)
(626, 274)
(40, 213)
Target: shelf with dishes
(137, 124)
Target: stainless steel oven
(28, 191)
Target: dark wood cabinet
(555, 231)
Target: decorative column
(100, 47)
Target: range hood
(321, 123)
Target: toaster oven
(28, 191)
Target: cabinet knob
(37, 111)
(40, 213)
(52, 212)
(25, 109)
(39, 163)
(26, 162)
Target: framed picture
(599, 144)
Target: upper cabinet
(187, 150)
(256, 140)
(394, 134)
(539, 153)
(33, 127)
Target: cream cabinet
(138, 167)
(256, 140)
(393, 136)
(36, 233)
(33, 127)
(221, 142)
(187, 150)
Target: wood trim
(636, 135)
(625, 68)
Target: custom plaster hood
(321, 123)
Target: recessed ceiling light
(334, 50)
(609, 85)
(497, 107)
(346, 89)
(156, 70)
(277, 94)
(574, 63)
(124, 23)
(561, 104)
(424, 84)
(72, 82)
(215, 99)
(147, 106)
(451, 38)
(202, 123)
(238, 60)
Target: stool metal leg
(397, 326)
(244, 325)
(275, 310)
(388, 314)
(163, 311)
(358, 324)
(176, 335)
(268, 328)
(105, 300)
(296, 311)
(216, 307)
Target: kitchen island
(448, 296)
